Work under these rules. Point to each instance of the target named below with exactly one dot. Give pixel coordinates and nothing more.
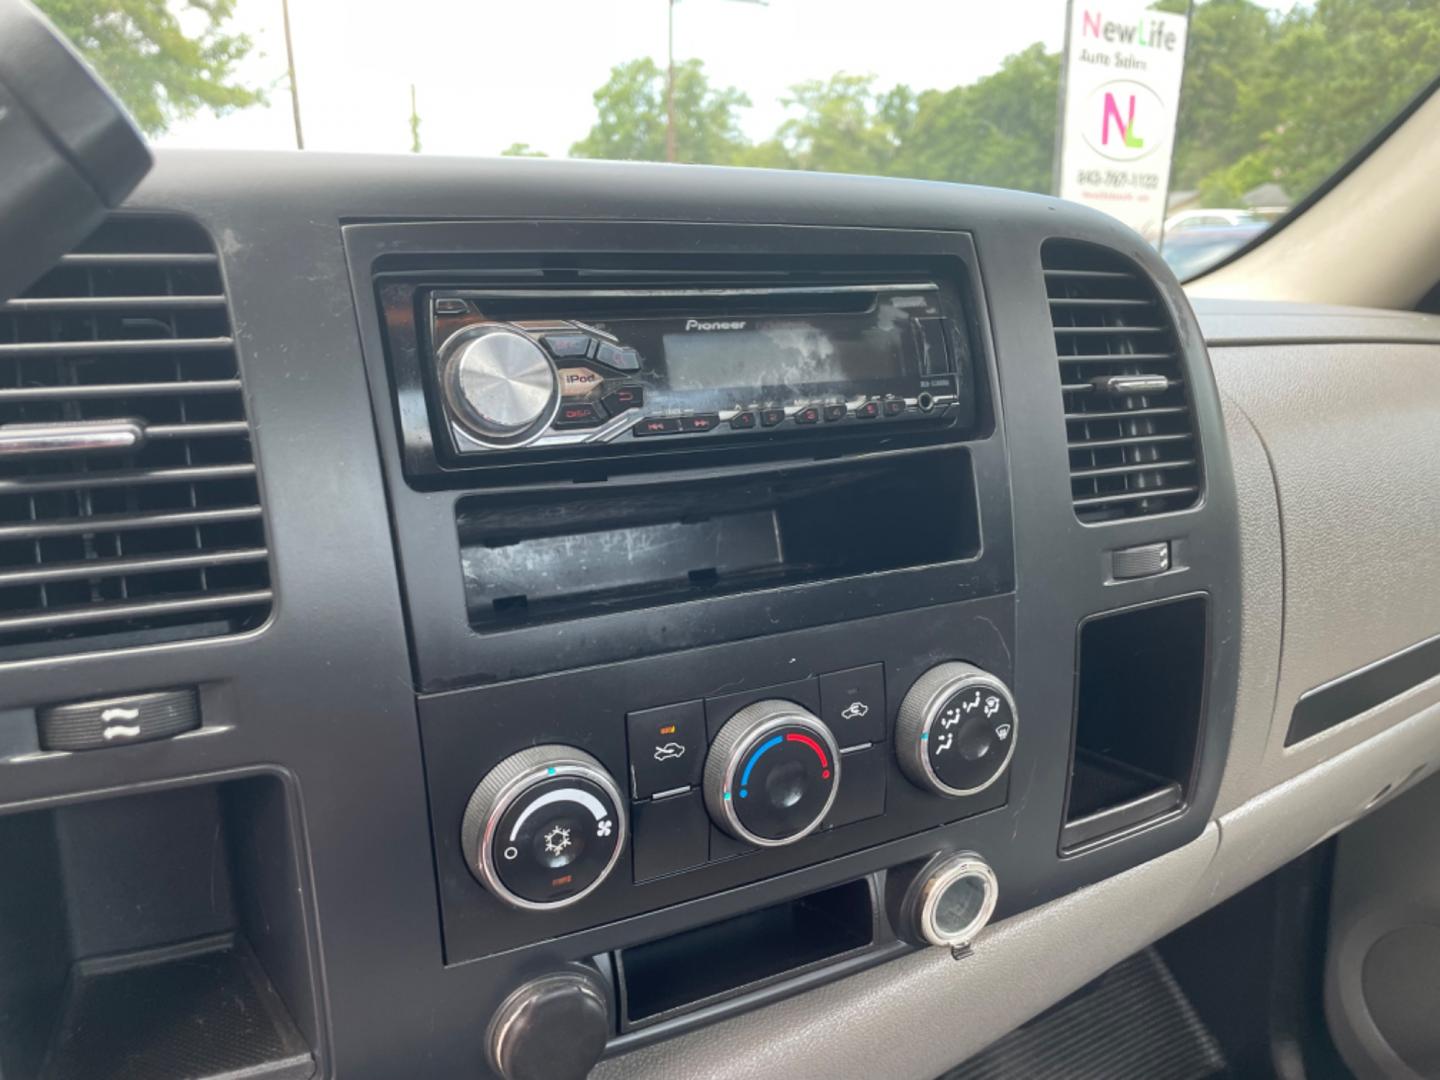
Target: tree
(845, 125)
(999, 130)
(1328, 78)
(630, 121)
(161, 72)
(522, 149)
(1222, 106)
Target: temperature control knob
(544, 828)
(772, 774)
(956, 731)
(499, 384)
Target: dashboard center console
(710, 563)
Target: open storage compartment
(1138, 712)
(621, 545)
(156, 936)
(723, 959)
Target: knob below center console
(553, 1028)
(772, 774)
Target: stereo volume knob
(544, 828)
(772, 774)
(957, 729)
(499, 384)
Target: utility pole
(290, 67)
(414, 123)
(670, 154)
(670, 88)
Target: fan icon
(604, 828)
(557, 840)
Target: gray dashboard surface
(1246, 322)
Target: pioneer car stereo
(539, 368)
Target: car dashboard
(485, 662)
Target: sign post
(1121, 79)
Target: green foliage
(1338, 72)
(845, 125)
(631, 108)
(1000, 130)
(522, 149)
(1222, 105)
(1267, 98)
(161, 72)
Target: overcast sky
(489, 73)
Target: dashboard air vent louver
(129, 508)
(1129, 428)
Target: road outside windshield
(1268, 98)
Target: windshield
(1198, 125)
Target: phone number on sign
(1118, 178)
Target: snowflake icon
(557, 840)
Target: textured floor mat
(1132, 1023)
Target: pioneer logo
(696, 324)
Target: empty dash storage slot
(623, 545)
(1138, 711)
(727, 958)
(156, 936)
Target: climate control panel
(721, 788)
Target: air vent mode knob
(499, 384)
(544, 828)
(956, 731)
(772, 774)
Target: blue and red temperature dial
(772, 773)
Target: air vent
(1128, 423)
(129, 509)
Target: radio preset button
(700, 422)
(565, 346)
(578, 414)
(869, 411)
(621, 359)
(627, 397)
(834, 412)
(771, 417)
(658, 425)
(894, 407)
(743, 421)
(808, 415)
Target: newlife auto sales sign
(1123, 64)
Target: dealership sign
(1123, 64)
